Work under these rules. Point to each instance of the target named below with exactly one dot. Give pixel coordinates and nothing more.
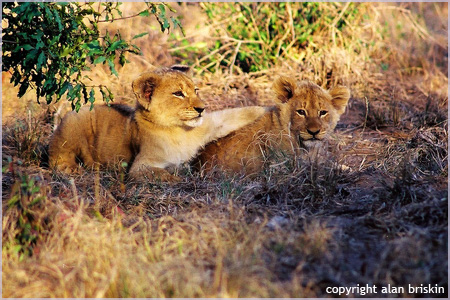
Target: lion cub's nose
(313, 133)
(199, 109)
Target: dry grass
(297, 228)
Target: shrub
(47, 46)
(253, 36)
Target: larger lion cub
(304, 115)
(166, 128)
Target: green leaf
(92, 96)
(95, 51)
(116, 45)
(166, 24)
(17, 248)
(110, 94)
(92, 45)
(122, 59)
(58, 20)
(40, 44)
(14, 199)
(162, 7)
(31, 56)
(40, 61)
(27, 47)
(38, 36)
(65, 52)
(64, 88)
(136, 50)
(99, 60)
(23, 88)
(112, 67)
(144, 13)
(77, 105)
(36, 200)
(139, 35)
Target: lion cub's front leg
(223, 122)
(143, 171)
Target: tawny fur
(167, 127)
(303, 117)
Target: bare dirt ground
(300, 229)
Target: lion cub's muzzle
(312, 137)
(314, 134)
(199, 110)
(194, 117)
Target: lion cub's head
(311, 111)
(168, 97)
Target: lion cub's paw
(167, 178)
(151, 174)
(68, 169)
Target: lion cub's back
(237, 152)
(103, 135)
(116, 134)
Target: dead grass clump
(26, 213)
(398, 264)
(424, 155)
(431, 151)
(434, 113)
(432, 214)
(303, 183)
(414, 171)
(25, 139)
(309, 244)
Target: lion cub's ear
(340, 96)
(181, 68)
(144, 87)
(284, 88)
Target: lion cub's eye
(322, 113)
(196, 91)
(179, 94)
(301, 112)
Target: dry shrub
(403, 255)
(25, 139)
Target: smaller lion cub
(167, 127)
(304, 116)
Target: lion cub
(304, 115)
(166, 128)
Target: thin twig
(365, 118)
(118, 19)
(336, 20)
(257, 31)
(214, 52)
(236, 52)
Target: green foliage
(253, 36)
(47, 46)
(25, 200)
